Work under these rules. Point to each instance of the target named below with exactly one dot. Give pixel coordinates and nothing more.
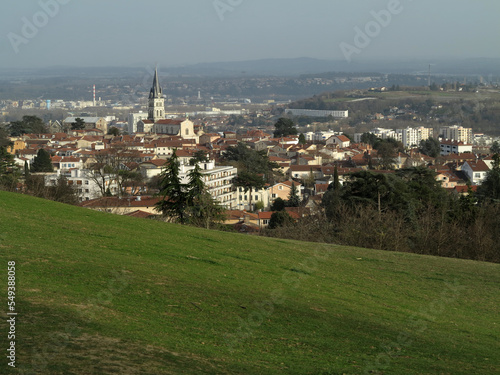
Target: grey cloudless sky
(177, 32)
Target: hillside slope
(104, 294)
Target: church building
(156, 122)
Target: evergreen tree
(112, 130)
(29, 124)
(79, 124)
(284, 127)
(490, 187)
(336, 182)
(175, 198)
(302, 139)
(42, 162)
(278, 205)
(195, 186)
(430, 147)
(279, 219)
(8, 170)
(495, 148)
(293, 197)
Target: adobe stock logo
(31, 27)
(372, 29)
(224, 6)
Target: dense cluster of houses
(114, 173)
(310, 167)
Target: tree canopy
(79, 124)
(284, 127)
(430, 147)
(9, 172)
(29, 124)
(42, 162)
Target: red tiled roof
(170, 122)
(478, 166)
(121, 202)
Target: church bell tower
(156, 107)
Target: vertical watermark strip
(11, 313)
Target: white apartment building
(317, 113)
(457, 133)
(218, 181)
(409, 137)
(86, 187)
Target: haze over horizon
(44, 33)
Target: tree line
(406, 211)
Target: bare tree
(113, 165)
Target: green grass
(104, 294)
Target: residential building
(476, 171)
(457, 133)
(134, 119)
(317, 113)
(454, 147)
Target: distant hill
(275, 67)
(104, 294)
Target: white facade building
(86, 187)
(317, 113)
(133, 120)
(457, 133)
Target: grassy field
(104, 294)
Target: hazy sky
(174, 32)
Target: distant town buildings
(457, 133)
(409, 137)
(316, 113)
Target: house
(304, 171)
(265, 217)
(123, 206)
(476, 171)
(339, 140)
(266, 195)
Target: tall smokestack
(94, 96)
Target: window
(274, 195)
(280, 187)
(187, 131)
(256, 197)
(86, 182)
(477, 175)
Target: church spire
(156, 107)
(156, 91)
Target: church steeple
(156, 110)
(156, 91)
